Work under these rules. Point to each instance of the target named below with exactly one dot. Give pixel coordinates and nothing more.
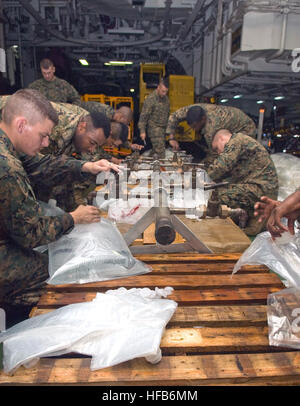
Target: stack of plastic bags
(282, 256)
(116, 326)
(90, 253)
(284, 318)
(288, 172)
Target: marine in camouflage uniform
(22, 224)
(217, 117)
(58, 90)
(247, 166)
(92, 107)
(61, 141)
(153, 120)
(68, 197)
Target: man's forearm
(50, 170)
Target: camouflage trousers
(244, 196)
(157, 137)
(23, 275)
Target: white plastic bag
(283, 309)
(288, 172)
(116, 326)
(282, 256)
(128, 211)
(90, 253)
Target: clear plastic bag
(116, 326)
(288, 171)
(128, 211)
(90, 253)
(282, 256)
(283, 309)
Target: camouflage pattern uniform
(68, 196)
(217, 118)
(22, 225)
(153, 120)
(92, 107)
(58, 90)
(247, 166)
(106, 109)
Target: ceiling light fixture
(119, 63)
(223, 100)
(259, 101)
(83, 62)
(278, 97)
(237, 96)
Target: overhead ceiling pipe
(56, 34)
(183, 32)
(280, 51)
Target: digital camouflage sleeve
(58, 90)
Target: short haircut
(119, 131)
(31, 104)
(95, 120)
(126, 112)
(46, 63)
(195, 114)
(220, 132)
(165, 81)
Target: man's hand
(289, 208)
(174, 144)
(135, 147)
(103, 165)
(264, 208)
(86, 215)
(116, 161)
(276, 228)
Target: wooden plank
(149, 235)
(212, 369)
(204, 268)
(188, 257)
(213, 316)
(247, 295)
(219, 316)
(177, 282)
(217, 340)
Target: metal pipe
(217, 77)
(20, 54)
(214, 57)
(188, 24)
(280, 51)
(164, 230)
(56, 34)
(228, 62)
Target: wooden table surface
(217, 336)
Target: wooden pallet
(217, 336)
